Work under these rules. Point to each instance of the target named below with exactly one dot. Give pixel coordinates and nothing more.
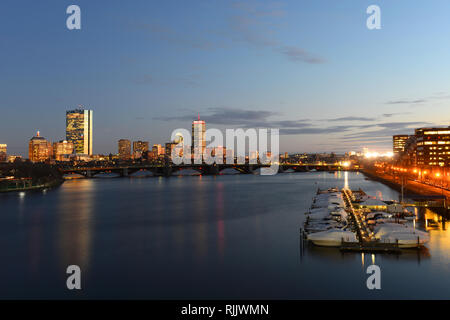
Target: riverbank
(411, 188)
(13, 186)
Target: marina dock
(353, 234)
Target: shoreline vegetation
(17, 177)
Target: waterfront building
(124, 149)
(101, 157)
(39, 149)
(139, 148)
(13, 158)
(198, 138)
(79, 130)
(220, 151)
(398, 143)
(3, 152)
(253, 156)
(62, 150)
(229, 155)
(168, 149)
(151, 155)
(433, 146)
(409, 155)
(158, 149)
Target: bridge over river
(204, 169)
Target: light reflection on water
(231, 236)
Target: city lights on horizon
(374, 154)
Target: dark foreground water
(233, 236)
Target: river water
(199, 237)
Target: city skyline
(309, 71)
(198, 127)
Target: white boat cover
(333, 235)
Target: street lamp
(438, 174)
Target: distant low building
(151, 155)
(139, 148)
(159, 149)
(14, 158)
(62, 150)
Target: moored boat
(332, 237)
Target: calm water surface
(230, 236)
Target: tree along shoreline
(16, 177)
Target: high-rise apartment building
(124, 149)
(39, 149)
(198, 138)
(79, 130)
(433, 146)
(3, 152)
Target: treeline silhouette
(39, 172)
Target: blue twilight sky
(310, 68)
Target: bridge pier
(124, 172)
(167, 171)
(88, 174)
(211, 170)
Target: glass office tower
(79, 130)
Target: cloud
(342, 137)
(403, 125)
(407, 101)
(173, 37)
(388, 129)
(271, 9)
(150, 79)
(263, 119)
(435, 96)
(229, 116)
(248, 30)
(298, 54)
(390, 115)
(257, 23)
(352, 119)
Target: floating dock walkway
(367, 242)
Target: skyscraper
(39, 149)
(3, 152)
(79, 130)
(198, 138)
(124, 149)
